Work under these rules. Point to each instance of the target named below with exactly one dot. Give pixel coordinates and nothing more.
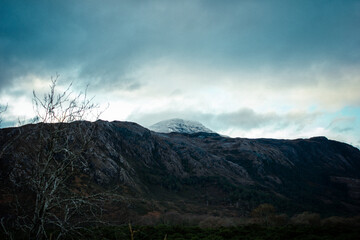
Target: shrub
(306, 218)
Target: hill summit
(179, 126)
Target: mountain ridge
(202, 172)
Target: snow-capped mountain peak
(180, 126)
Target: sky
(275, 69)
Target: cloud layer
(104, 41)
(237, 65)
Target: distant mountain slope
(205, 172)
(179, 126)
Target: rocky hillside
(203, 172)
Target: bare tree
(64, 107)
(50, 206)
(2, 110)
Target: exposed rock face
(314, 174)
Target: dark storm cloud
(46, 36)
(105, 40)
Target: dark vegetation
(262, 223)
(227, 233)
(250, 232)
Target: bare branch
(2, 110)
(64, 107)
(58, 156)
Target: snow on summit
(180, 126)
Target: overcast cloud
(242, 67)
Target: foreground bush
(160, 232)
